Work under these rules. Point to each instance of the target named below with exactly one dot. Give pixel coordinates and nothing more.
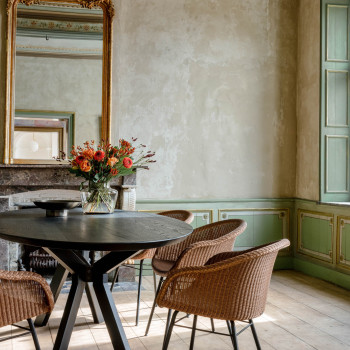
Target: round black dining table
(69, 239)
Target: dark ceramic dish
(56, 204)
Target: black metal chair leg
(168, 319)
(139, 293)
(255, 335)
(194, 325)
(153, 306)
(212, 325)
(114, 278)
(154, 282)
(229, 327)
(34, 335)
(234, 335)
(168, 333)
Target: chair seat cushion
(162, 267)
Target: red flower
(99, 155)
(127, 162)
(114, 172)
(79, 159)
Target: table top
(122, 230)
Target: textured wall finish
(308, 110)
(211, 87)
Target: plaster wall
(308, 105)
(63, 85)
(211, 87)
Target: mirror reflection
(58, 79)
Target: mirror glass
(58, 79)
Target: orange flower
(127, 162)
(89, 153)
(85, 166)
(99, 155)
(114, 172)
(111, 161)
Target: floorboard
(302, 312)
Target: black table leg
(90, 293)
(70, 313)
(93, 302)
(110, 314)
(56, 285)
(82, 274)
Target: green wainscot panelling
(202, 217)
(343, 242)
(315, 234)
(263, 225)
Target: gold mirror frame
(108, 13)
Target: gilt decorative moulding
(83, 3)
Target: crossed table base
(93, 277)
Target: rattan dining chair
(231, 286)
(195, 250)
(182, 215)
(23, 295)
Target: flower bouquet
(98, 165)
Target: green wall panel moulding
(343, 242)
(264, 225)
(315, 234)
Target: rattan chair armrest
(27, 276)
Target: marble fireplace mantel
(20, 184)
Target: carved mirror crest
(58, 89)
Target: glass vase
(98, 198)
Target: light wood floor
(301, 313)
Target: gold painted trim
(327, 59)
(347, 163)
(108, 13)
(347, 103)
(342, 220)
(307, 252)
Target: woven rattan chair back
(203, 243)
(182, 215)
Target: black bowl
(53, 204)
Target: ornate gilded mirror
(58, 77)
